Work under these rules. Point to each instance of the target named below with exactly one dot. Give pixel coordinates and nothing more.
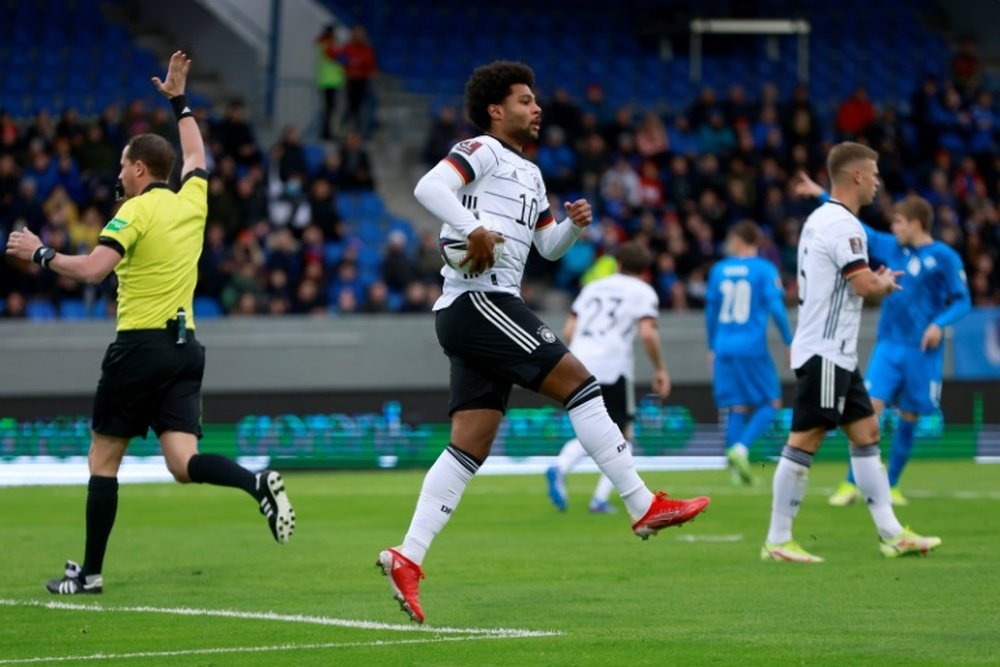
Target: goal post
(770, 27)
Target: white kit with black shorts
(830, 391)
(491, 337)
(607, 313)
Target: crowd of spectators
(677, 181)
(278, 241)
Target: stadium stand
(304, 228)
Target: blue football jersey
(934, 288)
(743, 293)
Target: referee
(151, 374)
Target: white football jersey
(833, 246)
(607, 316)
(501, 181)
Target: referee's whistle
(181, 327)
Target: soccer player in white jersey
(833, 280)
(600, 330)
(491, 337)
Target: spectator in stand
(737, 109)
(95, 156)
(445, 133)
(330, 78)
(966, 66)
(376, 299)
(429, 262)
(561, 111)
(855, 114)
(323, 209)
(398, 270)
(355, 165)
(968, 181)
(236, 136)
(983, 128)
(10, 176)
(310, 297)
(213, 270)
(651, 139)
(715, 136)
(595, 105)
(650, 186)
(621, 128)
(415, 299)
(557, 162)
(222, 207)
(360, 67)
(288, 204)
(292, 157)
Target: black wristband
(180, 105)
(42, 256)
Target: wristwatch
(43, 255)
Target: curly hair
(490, 84)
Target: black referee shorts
(494, 341)
(828, 396)
(148, 381)
(619, 398)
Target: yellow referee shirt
(160, 235)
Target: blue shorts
(745, 381)
(905, 377)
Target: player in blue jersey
(906, 364)
(744, 292)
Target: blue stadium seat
(73, 309)
(40, 310)
(370, 232)
(207, 308)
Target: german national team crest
(856, 245)
(546, 334)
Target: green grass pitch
(590, 592)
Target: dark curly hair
(490, 84)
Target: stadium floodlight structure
(771, 27)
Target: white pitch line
(510, 633)
(738, 491)
(241, 649)
(696, 537)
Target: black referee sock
(221, 471)
(102, 507)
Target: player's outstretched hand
(579, 212)
(889, 278)
(176, 80)
(22, 243)
(479, 255)
(803, 186)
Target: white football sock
(570, 455)
(603, 490)
(439, 495)
(788, 488)
(605, 443)
(873, 483)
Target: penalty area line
(500, 633)
(243, 649)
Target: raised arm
(192, 145)
(553, 239)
